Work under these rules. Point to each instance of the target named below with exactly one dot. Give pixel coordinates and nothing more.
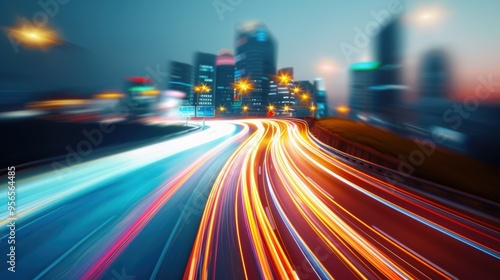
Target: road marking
(73, 248)
(270, 218)
(415, 253)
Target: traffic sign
(187, 111)
(205, 111)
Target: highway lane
(295, 211)
(248, 199)
(64, 224)
(440, 235)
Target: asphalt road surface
(247, 199)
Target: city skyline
(250, 139)
(312, 43)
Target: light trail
(283, 210)
(281, 207)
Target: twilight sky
(108, 40)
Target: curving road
(251, 199)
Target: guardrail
(490, 209)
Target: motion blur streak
(259, 199)
(43, 190)
(260, 237)
(294, 210)
(134, 222)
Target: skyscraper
(388, 46)
(224, 80)
(388, 85)
(181, 79)
(273, 91)
(285, 96)
(435, 75)
(306, 97)
(204, 73)
(321, 100)
(435, 87)
(256, 59)
(363, 78)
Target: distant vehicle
(141, 96)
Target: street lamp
(222, 109)
(305, 97)
(34, 36)
(286, 108)
(271, 113)
(243, 85)
(312, 108)
(284, 78)
(201, 88)
(343, 109)
(245, 109)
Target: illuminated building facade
(224, 92)
(256, 59)
(204, 73)
(181, 79)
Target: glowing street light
(243, 85)
(202, 88)
(312, 109)
(286, 108)
(342, 109)
(222, 109)
(270, 107)
(245, 109)
(284, 78)
(33, 36)
(304, 97)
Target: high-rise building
(321, 100)
(388, 45)
(273, 91)
(388, 84)
(284, 100)
(305, 98)
(256, 59)
(435, 83)
(224, 92)
(363, 78)
(435, 75)
(181, 79)
(204, 73)
(375, 87)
